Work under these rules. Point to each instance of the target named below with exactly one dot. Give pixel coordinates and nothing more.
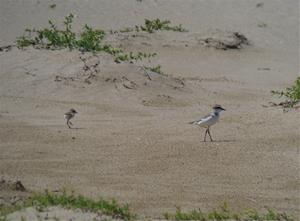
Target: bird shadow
(219, 141)
(77, 128)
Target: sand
(132, 140)
(57, 213)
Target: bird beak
(223, 109)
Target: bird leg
(69, 124)
(205, 135)
(209, 134)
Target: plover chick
(69, 115)
(209, 120)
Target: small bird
(209, 120)
(69, 115)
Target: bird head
(217, 108)
(73, 111)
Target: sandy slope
(135, 144)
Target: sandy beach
(132, 140)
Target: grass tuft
(42, 200)
(89, 40)
(5, 210)
(156, 69)
(52, 6)
(151, 26)
(50, 38)
(111, 208)
(291, 94)
(192, 215)
(133, 56)
(223, 213)
(157, 24)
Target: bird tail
(192, 122)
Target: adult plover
(69, 115)
(209, 120)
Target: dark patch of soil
(12, 193)
(226, 40)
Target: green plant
(132, 56)
(89, 40)
(156, 24)
(127, 29)
(5, 210)
(52, 6)
(292, 94)
(111, 208)
(43, 200)
(252, 214)
(55, 218)
(192, 215)
(156, 69)
(24, 41)
(151, 26)
(50, 38)
(167, 215)
(271, 215)
(262, 25)
(223, 213)
(3, 218)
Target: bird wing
(68, 115)
(205, 118)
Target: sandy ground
(135, 144)
(57, 213)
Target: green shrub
(89, 40)
(223, 213)
(24, 41)
(291, 94)
(50, 38)
(43, 200)
(192, 215)
(156, 69)
(52, 6)
(156, 24)
(151, 26)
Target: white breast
(208, 121)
